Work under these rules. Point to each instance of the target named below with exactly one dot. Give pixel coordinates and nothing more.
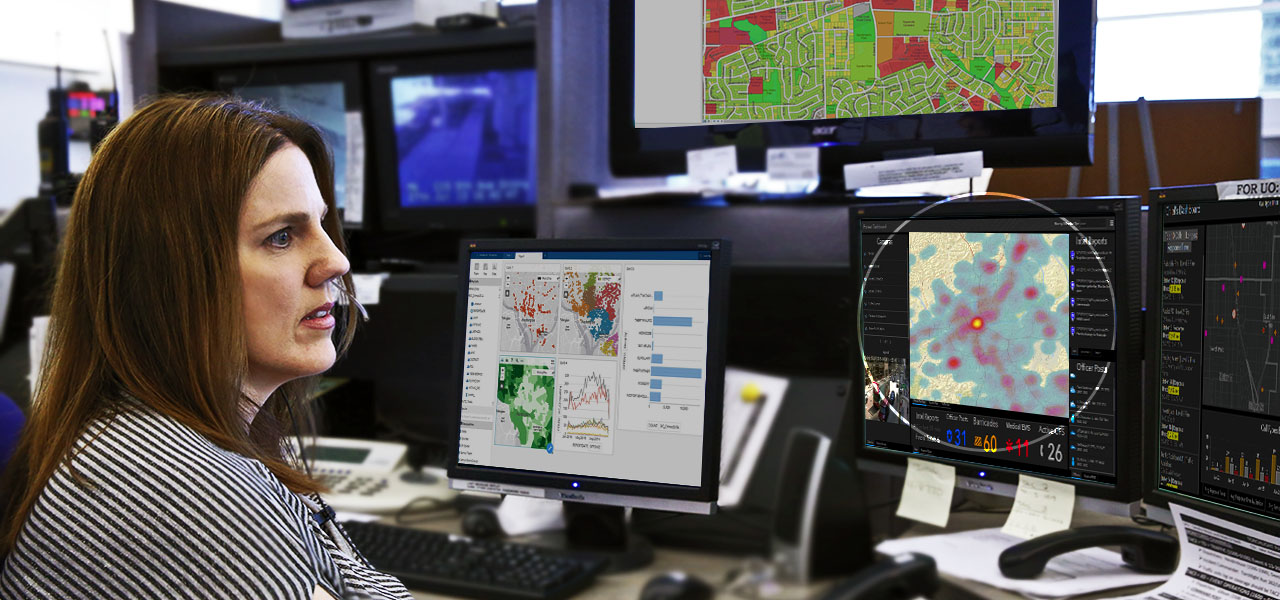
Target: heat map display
(590, 310)
(529, 301)
(822, 59)
(990, 320)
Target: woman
(193, 300)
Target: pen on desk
(752, 395)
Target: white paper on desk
(1219, 560)
(710, 167)
(1041, 507)
(519, 515)
(974, 555)
(926, 492)
(343, 516)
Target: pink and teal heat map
(990, 320)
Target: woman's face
(287, 262)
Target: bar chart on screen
(666, 349)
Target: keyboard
(460, 566)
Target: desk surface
(714, 568)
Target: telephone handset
(371, 477)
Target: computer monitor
(328, 96)
(592, 371)
(865, 80)
(1002, 338)
(1213, 423)
(456, 133)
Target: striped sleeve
(160, 512)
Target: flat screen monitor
(1213, 427)
(866, 80)
(1002, 338)
(327, 96)
(592, 371)
(457, 133)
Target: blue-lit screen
(465, 139)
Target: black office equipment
(1212, 430)
(456, 137)
(992, 337)
(676, 585)
(461, 566)
(592, 371)
(401, 363)
(902, 577)
(820, 526)
(1143, 550)
(755, 98)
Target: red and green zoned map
(824, 59)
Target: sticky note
(926, 493)
(1041, 507)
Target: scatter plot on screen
(990, 320)
(1241, 300)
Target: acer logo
(824, 130)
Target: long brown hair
(147, 300)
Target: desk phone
(372, 477)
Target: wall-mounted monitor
(866, 80)
(456, 134)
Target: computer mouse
(481, 522)
(676, 586)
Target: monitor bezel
(602, 490)
(493, 218)
(1154, 496)
(347, 73)
(1127, 209)
(838, 138)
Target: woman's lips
(320, 318)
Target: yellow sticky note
(926, 492)
(1041, 507)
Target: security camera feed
(991, 341)
(465, 139)
(1219, 426)
(886, 390)
(321, 104)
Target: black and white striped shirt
(164, 513)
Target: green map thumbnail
(526, 397)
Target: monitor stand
(600, 531)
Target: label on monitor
(1249, 188)
(913, 170)
(800, 162)
(710, 167)
(497, 488)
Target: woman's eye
(280, 239)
